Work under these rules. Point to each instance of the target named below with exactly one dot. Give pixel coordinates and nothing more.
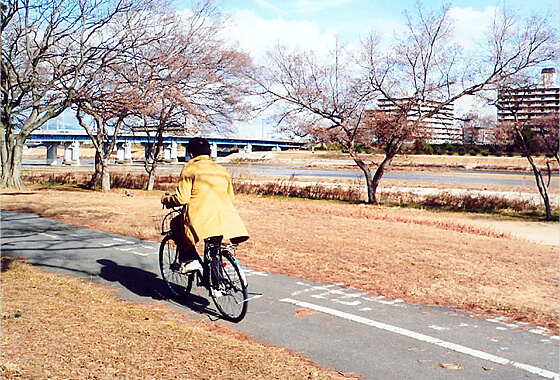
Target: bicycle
(221, 275)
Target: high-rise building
(530, 102)
(441, 126)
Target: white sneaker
(190, 267)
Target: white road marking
(425, 338)
(537, 331)
(124, 241)
(335, 294)
(250, 272)
(438, 328)
(50, 236)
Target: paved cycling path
(338, 328)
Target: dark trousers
(187, 251)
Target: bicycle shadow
(147, 284)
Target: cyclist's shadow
(148, 284)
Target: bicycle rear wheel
(178, 283)
(228, 286)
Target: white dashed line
(250, 272)
(438, 328)
(50, 236)
(424, 338)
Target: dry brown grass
(414, 255)
(45, 335)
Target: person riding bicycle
(206, 193)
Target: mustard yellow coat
(206, 190)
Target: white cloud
(471, 25)
(256, 35)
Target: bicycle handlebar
(163, 206)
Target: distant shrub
(477, 203)
(289, 188)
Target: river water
(278, 170)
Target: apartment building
(530, 102)
(441, 126)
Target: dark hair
(198, 147)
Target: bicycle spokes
(228, 290)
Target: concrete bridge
(71, 141)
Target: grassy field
(61, 328)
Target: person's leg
(187, 251)
(188, 255)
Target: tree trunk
(98, 172)
(379, 174)
(541, 185)
(151, 170)
(150, 165)
(372, 181)
(371, 188)
(105, 175)
(151, 180)
(11, 162)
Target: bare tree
(112, 96)
(547, 132)
(50, 51)
(420, 74)
(190, 81)
(318, 98)
(424, 71)
(103, 130)
(475, 127)
(532, 135)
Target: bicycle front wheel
(228, 286)
(178, 283)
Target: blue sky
(311, 24)
(260, 23)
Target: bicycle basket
(166, 223)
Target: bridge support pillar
(52, 158)
(124, 152)
(170, 152)
(72, 153)
(187, 157)
(248, 148)
(214, 149)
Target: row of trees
(332, 99)
(137, 64)
(119, 64)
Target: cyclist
(206, 193)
